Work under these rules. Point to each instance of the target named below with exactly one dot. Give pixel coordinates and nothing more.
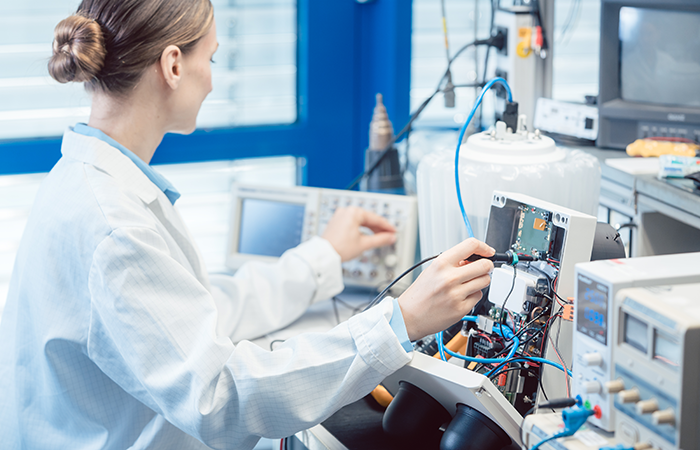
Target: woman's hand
(447, 290)
(344, 234)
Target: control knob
(629, 396)
(614, 386)
(592, 359)
(390, 260)
(667, 416)
(647, 406)
(592, 387)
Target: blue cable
(516, 343)
(441, 347)
(574, 418)
(488, 86)
(536, 359)
(547, 439)
(507, 333)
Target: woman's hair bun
(78, 50)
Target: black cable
(574, 12)
(503, 308)
(514, 359)
(527, 325)
(549, 283)
(396, 280)
(274, 342)
(354, 309)
(488, 52)
(523, 344)
(526, 369)
(495, 40)
(538, 16)
(470, 85)
(444, 29)
(335, 309)
(556, 403)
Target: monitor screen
(636, 333)
(269, 228)
(660, 56)
(592, 309)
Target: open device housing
(560, 238)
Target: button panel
(637, 399)
(377, 267)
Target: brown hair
(109, 43)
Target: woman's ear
(171, 65)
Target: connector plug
(510, 115)
(574, 418)
(449, 91)
(499, 40)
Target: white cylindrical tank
(526, 163)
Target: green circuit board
(534, 231)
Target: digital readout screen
(592, 309)
(269, 228)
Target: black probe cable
(492, 41)
(396, 280)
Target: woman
(113, 336)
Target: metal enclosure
(597, 284)
(621, 121)
(665, 374)
(578, 233)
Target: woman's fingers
(465, 249)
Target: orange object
(655, 148)
(457, 344)
(382, 396)
(568, 313)
(524, 47)
(502, 378)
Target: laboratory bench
(655, 217)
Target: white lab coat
(113, 337)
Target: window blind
(575, 63)
(254, 76)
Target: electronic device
(560, 238)
(648, 71)
(596, 285)
(450, 385)
(567, 119)
(537, 427)
(548, 241)
(526, 67)
(656, 366)
(266, 221)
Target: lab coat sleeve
(153, 332)
(264, 297)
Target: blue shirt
(399, 326)
(397, 323)
(157, 179)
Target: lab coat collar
(98, 153)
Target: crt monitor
(649, 71)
